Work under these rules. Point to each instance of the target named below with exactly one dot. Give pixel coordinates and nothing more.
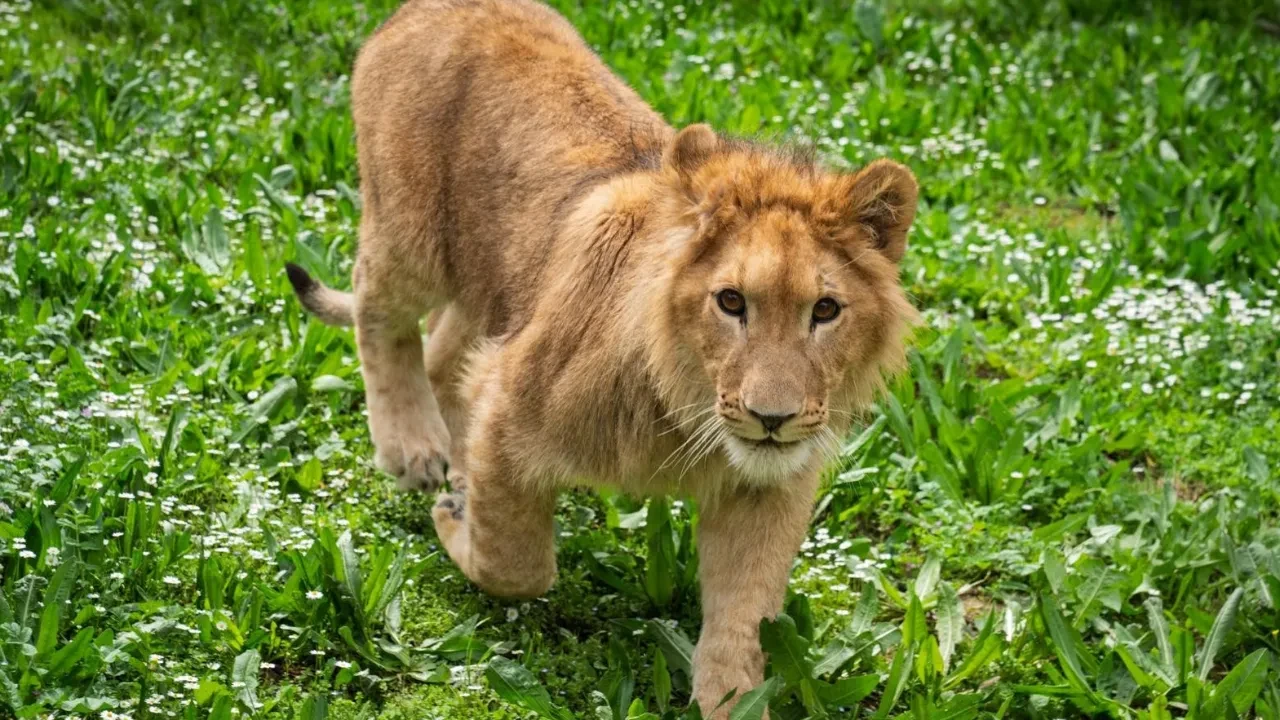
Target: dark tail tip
(299, 279)
(330, 306)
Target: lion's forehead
(779, 258)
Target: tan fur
(572, 245)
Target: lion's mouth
(768, 459)
(770, 442)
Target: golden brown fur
(581, 259)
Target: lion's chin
(768, 462)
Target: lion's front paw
(714, 686)
(414, 465)
(724, 665)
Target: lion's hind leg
(450, 335)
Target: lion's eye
(825, 310)
(731, 302)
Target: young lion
(612, 302)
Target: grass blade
(350, 569)
(674, 645)
(661, 681)
(849, 691)
(245, 673)
(1160, 629)
(514, 683)
(893, 687)
(660, 564)
(950, 625)
(1218, 634)
(986, 647)
(788, 651)
(868, 607)
(1065, 642)
(1242, 685)
(927, 580)
(755, 701)
(55, 594)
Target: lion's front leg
(747, 542)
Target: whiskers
(828, 444)
(677, 410)
(680, 424)
(700, 443)
(705, 447)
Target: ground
(1068, 508)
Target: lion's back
(478, 122)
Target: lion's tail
(331, 306)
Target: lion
(611, 303)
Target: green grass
(1068, 509)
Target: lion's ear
(882, 199)
(690, 148)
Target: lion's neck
(617, 249)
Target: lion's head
(785, 294)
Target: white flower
(171, 580)
(314, 594)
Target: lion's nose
(771, 422)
